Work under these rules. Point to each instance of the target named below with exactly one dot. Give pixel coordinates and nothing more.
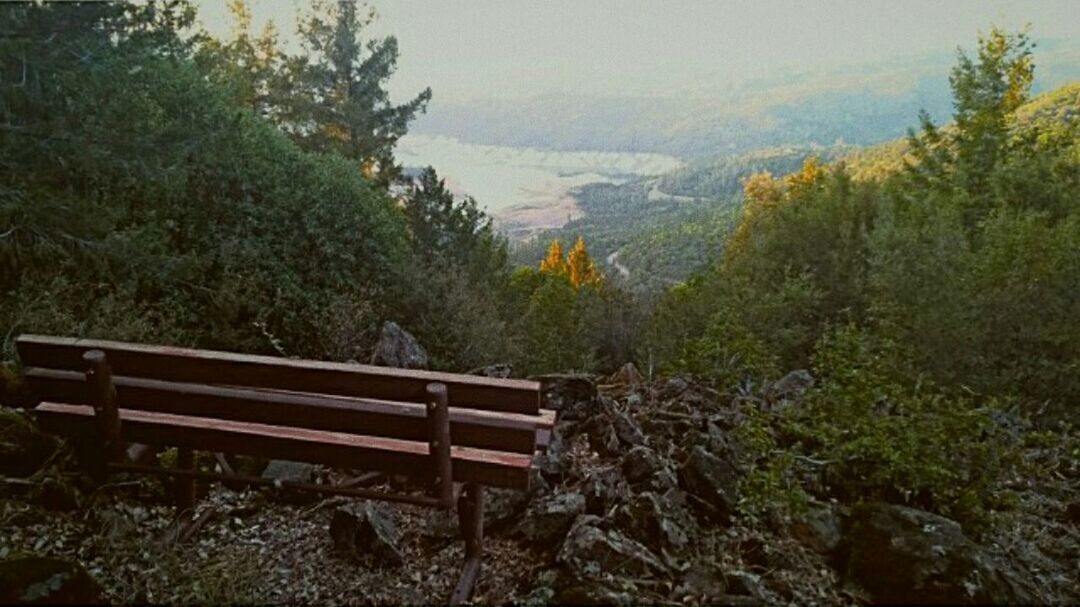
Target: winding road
(613, 260)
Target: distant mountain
(861, 105)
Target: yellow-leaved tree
(553, 263)
(581, 266)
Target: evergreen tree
(252, 64)
(340, 102)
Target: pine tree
(344, 106)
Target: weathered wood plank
(340, 449)
(513, 432)
(212, 367)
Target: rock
(398, 348)
(547, 521)
(1072, 513)
(574, 396)
(543, 589)
(712, 480)
(702, 582)
(602, 437)
(627, 430)
(673, 387)
(367, 531)
(603, 489)
(589, 552)
(657, 521)
(744, 583)
(820, 528)
(640, 463)
(499, 370)
(904, 555)
(550, 463)
(595, 592)
(721, 444)
(23, 448)
(283, 471)
(36, 580)
(791, 387)
(56, 493)
(627, 375)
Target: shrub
(877, 439)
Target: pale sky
(482, 49)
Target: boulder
(820, 528)
(640, 463)
(712, 480)
(398, 348)
(574, 396)
(590, 552)
(744, 583)
(701, 583)
(23, 448)
(627, 375)
(551, 462)
(366, 531)
(657, 521)
(904, 555)
(791, 387)
(673, 388)
(626, 429)
(283, 471)
(36, 580)
(603, 489)
(547, 521)
(602, 437)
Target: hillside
(663, 243)
(1051, 111)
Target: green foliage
(962, 258)
(141, 203)
(551, 323)
(879, 440)
(339, 102)
(953, 278)
(460, 313)
(728, 353)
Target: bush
(876, 439)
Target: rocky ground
(636, 501)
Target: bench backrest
(491, 420)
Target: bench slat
(492, 468)
(212, 367)
(393, 419)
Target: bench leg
(471, 521)
(185, 485)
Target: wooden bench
(454, 433)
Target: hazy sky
(475, 49)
